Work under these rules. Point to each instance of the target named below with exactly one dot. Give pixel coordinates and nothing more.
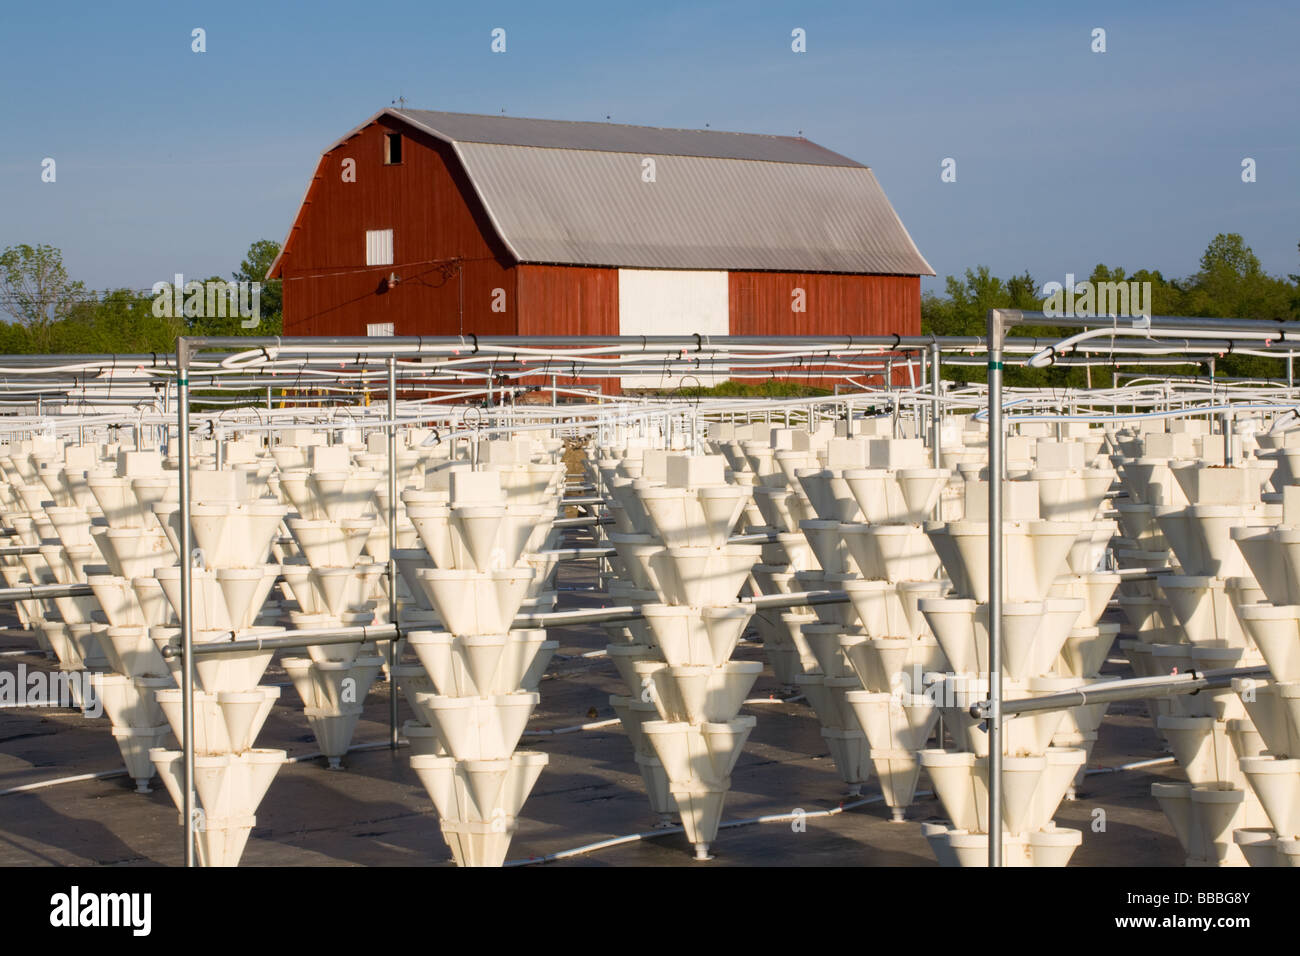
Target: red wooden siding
(760, 304)
(445, 253)
(567, 300)
(835, 304)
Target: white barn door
(672, 302)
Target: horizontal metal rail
(384, 632)
(15, 550)
(1136, 688)
(580, 522)
(39, 592)
(563, 554)
(316, 637)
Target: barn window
(380, 328)
(379, 247)
(392, 148)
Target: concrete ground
(376, 813)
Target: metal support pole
(392, 548)
(1212, 401)
(936, 424)
(188, 809)
(936, 441)
(995, 330)
(918, 414)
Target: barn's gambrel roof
(570, 193)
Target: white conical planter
(701, 694)
(1276, 781)
(1202, 748)
(470, 602)
(892, 721)
(330, 543)
(688, 636)
(712, 577)
(959, 788)
(1034, 553)
(218, 715)
(1276, 632)
(135, 745)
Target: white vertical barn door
(379, 247)
(672, 302)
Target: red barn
(429, 223)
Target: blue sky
(171, 161)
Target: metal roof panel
(591, 207)
(620, 138)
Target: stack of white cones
(695, 686)
(232, 577)
(335, 504)
(484, 675)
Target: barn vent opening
(392, 149)
(379, 247)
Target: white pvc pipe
(666, 831)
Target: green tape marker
(995, 365)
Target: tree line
(53, 313)
(1230, 283)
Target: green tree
(964, 311)
(207, 320)
(120, 322)
(257, 263)
(1229, 283)
(35, 289)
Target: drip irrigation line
(378, 745)
(556, 732)
(42, 784)
(776, 818)
(1135, 765)
(48, 704)
(671, 830)
(108, 774)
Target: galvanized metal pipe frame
(392, 549)
(187, 347)
(16, 550)
(936, 411)
(312, 637)
(1137, 688)
(382, 632)
(37, 592)
(995, 587)
(187, 597)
